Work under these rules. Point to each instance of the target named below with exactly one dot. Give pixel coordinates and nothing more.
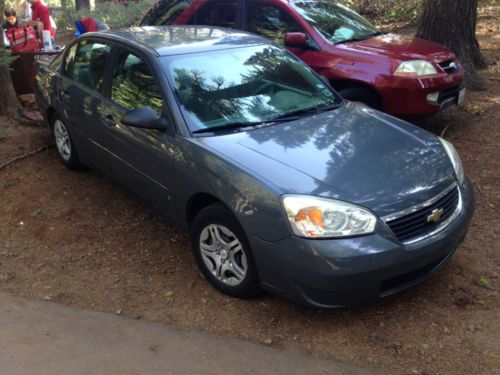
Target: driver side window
(271, 22)
(134, 85)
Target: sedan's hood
(352, 153)
(402, 48)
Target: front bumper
(355, 271)
(407, 97)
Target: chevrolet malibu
(280, 183)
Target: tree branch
(24, 156)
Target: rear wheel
(64, 144)
(223, 254)
(358, 94)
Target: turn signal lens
(433, 98)
(319, 217)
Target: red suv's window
(270, 21)
(215, 13)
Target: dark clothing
(6, 25)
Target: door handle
(65, 96)
(109, 120)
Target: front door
(144, 157)
(273, 21)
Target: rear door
(80, 94)
(143, 157)
(219, 13)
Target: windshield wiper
(230, 126)
(372, 35)
(295, 115)
(290, 116)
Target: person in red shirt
(41, 14)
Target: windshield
(240, 87)
(335, 22)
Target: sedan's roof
(172, 40)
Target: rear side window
(270, 21)
(69, 60)
(216, 13)
(89, 63)
(57, 62)
(134, 85)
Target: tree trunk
(453, 23)
(82, 4)
(8, 99)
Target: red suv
(406, 77)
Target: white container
(47, 40)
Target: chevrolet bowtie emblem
(435, 216)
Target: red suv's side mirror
(295, 40)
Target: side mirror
(144, 118)
(296, 40)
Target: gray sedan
(280, 183)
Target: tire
(64, 144)
(223, 253)
(357, 94)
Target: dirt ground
(78, 239)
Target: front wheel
(223, 254)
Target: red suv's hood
(403, 48)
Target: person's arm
(39, 24)
(6, 41)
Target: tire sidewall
(219, 215)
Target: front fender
(255, 203)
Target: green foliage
(383, 11)
(114, 15)
(484, 282)
(5, 57)
(169, 294)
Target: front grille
(449, 66)
(416, 224)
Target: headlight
(318, 217)
(455, 159)
(417, 68)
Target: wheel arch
(340, 84)
(50, 113)
(198, 202)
